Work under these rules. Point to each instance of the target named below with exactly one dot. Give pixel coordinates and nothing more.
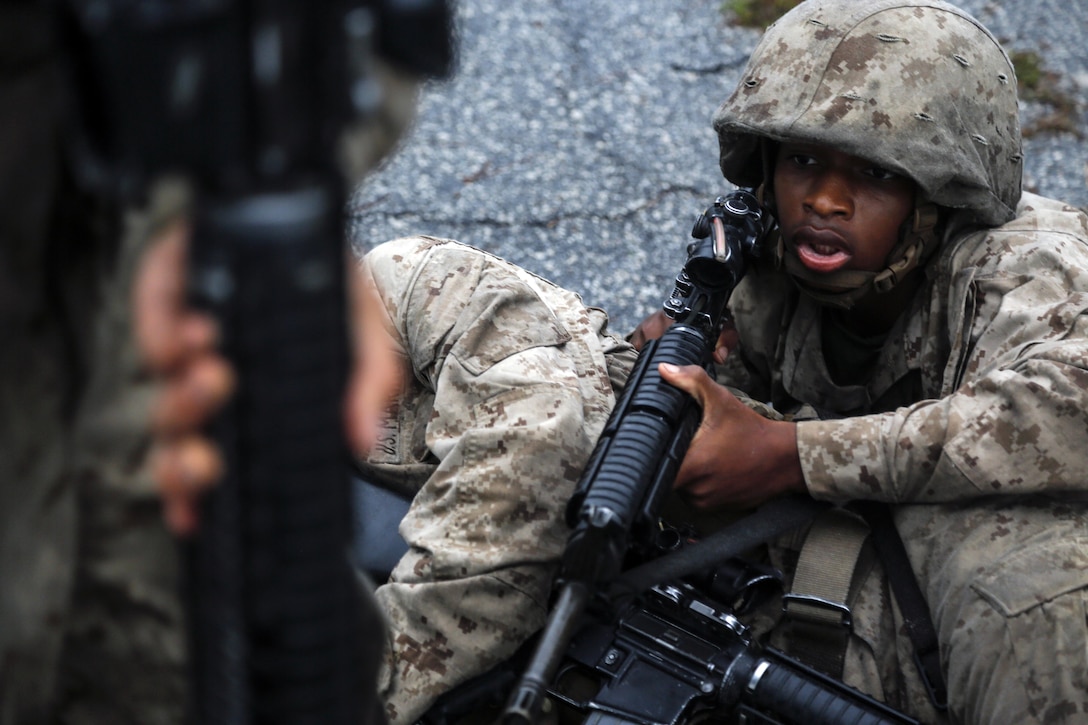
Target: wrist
(789, 476)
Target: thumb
(692, 379)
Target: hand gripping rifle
(248, 100)
(637, 456)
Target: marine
(935, 363)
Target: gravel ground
(575, 136)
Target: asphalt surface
(575, 139)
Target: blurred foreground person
(92, 629)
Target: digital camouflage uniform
(973, 422)
(512, 381)
(90, 621)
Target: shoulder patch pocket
(1034, 575)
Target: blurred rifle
(247, 100)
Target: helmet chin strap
(843, 288)
(917, 241)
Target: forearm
(1013, 432)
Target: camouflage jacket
(974, 423)
(90, 629)
(997, 331)
(512, 381)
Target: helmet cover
(917, 86)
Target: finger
(189, 400)
(181, 518)
(360, 425)
(369, 395)
(183, 470)
(727, 341)
(691, 379)
(166, 329)
(157, 295)
(198, 332)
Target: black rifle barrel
(774, 683)
(527, 697)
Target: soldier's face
(838, 211)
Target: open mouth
(821, 251)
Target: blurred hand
(655, 324)
(178, 345)
(738, 459)
(380, 367)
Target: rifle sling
(774, 518)
(817, 609)
(908, 593)
(831, 559)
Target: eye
(799, 159)
(879, 172)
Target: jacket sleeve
(520, 393)
(1014, 416)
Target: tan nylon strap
(821, 585)
(817, 612)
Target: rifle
(248, 99)
(671, 654)
(635, 461)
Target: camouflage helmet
(917, 86)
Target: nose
(829, 196)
